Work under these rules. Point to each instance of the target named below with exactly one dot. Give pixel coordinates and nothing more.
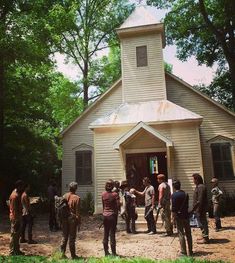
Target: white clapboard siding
(79, 134)
(216, 121)
(186, 152)
(143, 83)
(108, 161)
(144, 140)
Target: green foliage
(56, 259)
(187, 29)
(204, 29)
(168, 67)
(31, 96)
(88, 27)
(87, 205)
(64, 100)
(106, 70)
(220, 89)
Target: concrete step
(140, 223)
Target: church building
(148, 122)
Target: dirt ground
(89, 241)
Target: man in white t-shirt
(149, 194)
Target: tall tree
(27, 129)
(22, 41)
(90, 27)
(205, 29)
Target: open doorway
(140, 165)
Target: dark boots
(73, 250)
(106, 249)
(113, 248)
(133, 228)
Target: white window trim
(80, 148)
(142, 67)
(223, 139)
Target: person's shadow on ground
(202, 253)
(227, 228)
(219, 240)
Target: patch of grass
(56, 258)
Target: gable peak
(142, 16)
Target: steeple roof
(141, 16)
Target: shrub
(228, 203)
(87, 205)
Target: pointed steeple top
(141, 16)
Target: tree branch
(72, 54)
(229, 9)
(98, 43)
(98, 95)
(220, 36)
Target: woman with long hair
(111, 205)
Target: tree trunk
(231, 63)
(2, 83)
(85, 86)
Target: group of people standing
(20, 217)
(173, 207)
(174, 210)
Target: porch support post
(170, 162)
(123, 162)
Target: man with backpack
(180, 216)
(70, 219)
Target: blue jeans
(150, 219)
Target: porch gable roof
(134, 130)
(151, 112)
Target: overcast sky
(188, 71)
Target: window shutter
(222, 160)
(141, 56)
(84, 167)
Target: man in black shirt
(180, 216)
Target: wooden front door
(139, 165)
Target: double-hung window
(222, 160)
(83, 166)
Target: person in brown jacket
(70, 225)
(27, 218)
(15, 218)
(200, 205)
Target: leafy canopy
(204, 29)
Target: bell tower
(142, 40)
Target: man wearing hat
(70, 224)
(216, 197)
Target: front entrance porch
(147, 164)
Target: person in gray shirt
(149, 194)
